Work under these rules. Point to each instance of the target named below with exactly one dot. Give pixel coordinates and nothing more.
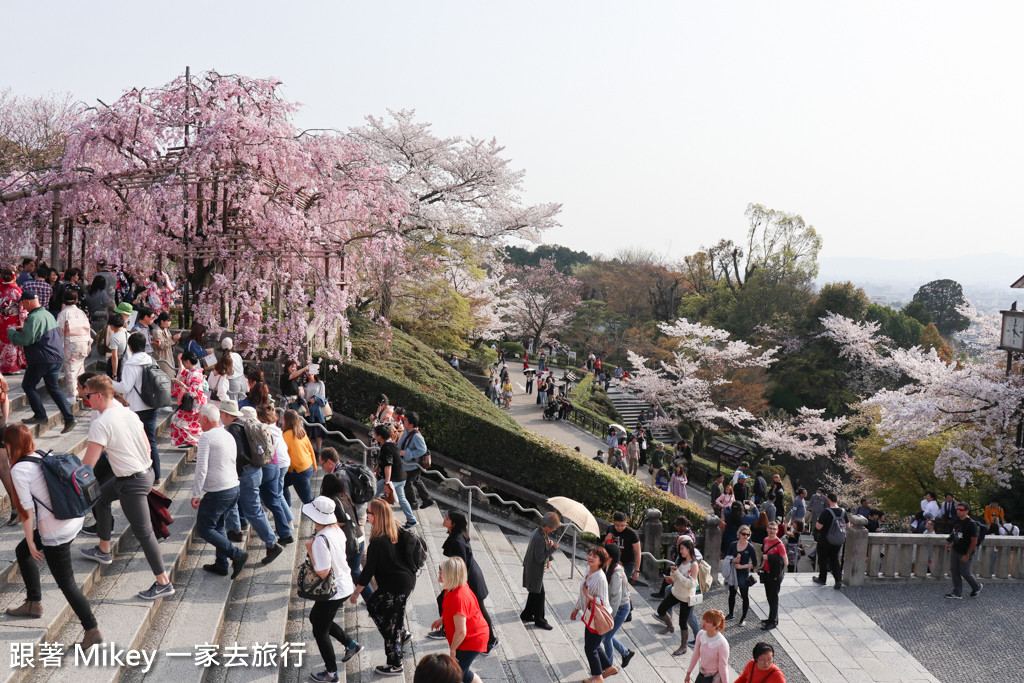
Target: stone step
(252, 609)
(72, 442)
(653, 660)
(123, 617)
(58, 617)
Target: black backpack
(417, 551)
(836, 534)
(155, 391)
(982, 531)
(73, 487)
(362, 485)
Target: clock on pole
(1012, 331)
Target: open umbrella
(617, 426)
(577, 512)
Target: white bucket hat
(321, 510)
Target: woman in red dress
(12, 358)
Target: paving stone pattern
(972, 639)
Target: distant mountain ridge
(986, 278)
(997, 271)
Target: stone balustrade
(884, 556)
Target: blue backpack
(73, 487)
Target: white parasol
(577, 512)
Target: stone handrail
(885, 556)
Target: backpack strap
(39, 461)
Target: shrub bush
(462, 424)
(512, 348)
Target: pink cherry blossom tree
(701, 357)
(539, 301)
(457, 190)
(208, 176)
(972, 403)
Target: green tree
(931, 339)
(941, 298)
(904, 330)
(901, 476)
(843, 298)
(566, 260)
(918, 311)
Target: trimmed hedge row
(481, 440)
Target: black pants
(388, 612)
(321, 618)
(671, 601)
(534, 607)
(58, 559)
(828, 560)
(743, 590)
(416, 491)
(596, 656)
(771, 590)
(148, 418)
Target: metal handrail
(333, 432)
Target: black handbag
(763, 575)
(751, 580)
(188, 403)
(311, 586)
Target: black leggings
(741, 580)
(58, 559)
(671, 601)
(321, 618)
(771, 591)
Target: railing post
(651, 544)
(856, 553)
(469, 506)
(713, 545)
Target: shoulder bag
(311, 586)
(596, 618)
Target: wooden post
(55, 260)
(69, 240)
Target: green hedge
(470, 432)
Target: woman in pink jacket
(711, 650)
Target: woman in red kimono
(12, 358)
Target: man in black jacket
(828, 553)
(963, 541)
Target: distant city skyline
(891, 126)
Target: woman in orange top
(300, 452)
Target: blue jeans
(355, 563)
(148, 418)
(249, 504)
(210, 524)
(609, 640)
(270, 494)
(300, 480)
(403, 502)
(48, 372)
(465, 659)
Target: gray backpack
(837, 530)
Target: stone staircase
(212, 614)
(629, 406)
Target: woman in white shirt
(31, 499)
(594, 595)
(73, 324)
(220, 379)
(327, 552)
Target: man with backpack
(831, 527)
(253, 452)
(118, 432)
(413, 449)
(360, 485)
(130, 386)
(964, 540)
(44, 355)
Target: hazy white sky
(895, 128)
